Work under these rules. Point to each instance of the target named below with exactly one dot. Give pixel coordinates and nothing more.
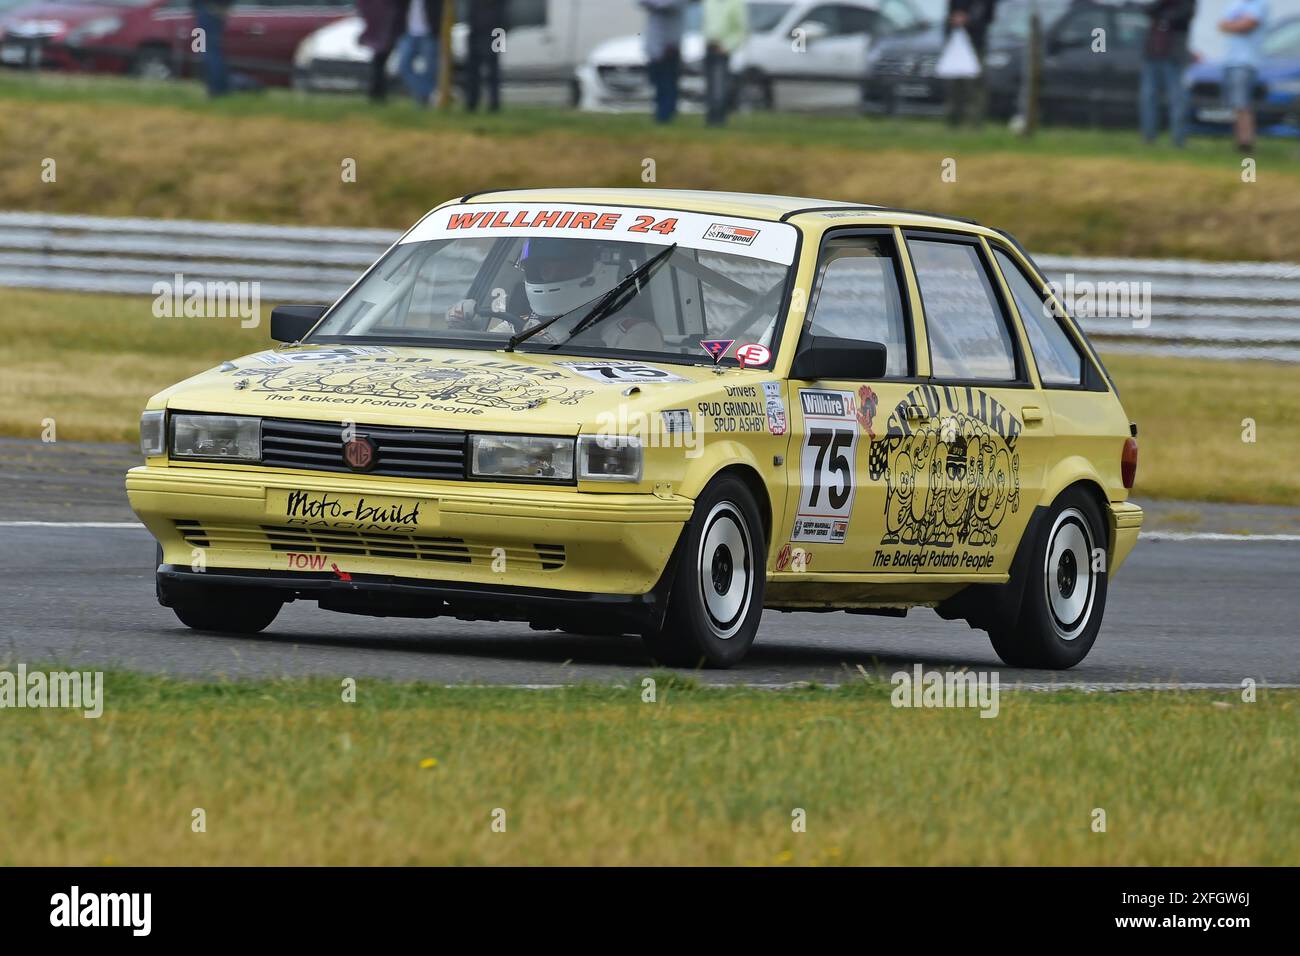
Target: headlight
(94, 29)
(534, 457)
(153, 433)
(609, 458)
(217, 437)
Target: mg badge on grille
(359, 454)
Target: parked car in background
(152, 38)
(545, 40)
(802, 42)
(1277, 88)
(900, 68)
(1078, 86)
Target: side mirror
(821, 357)
(810, 30)
(289, 323)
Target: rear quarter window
(1058, 359)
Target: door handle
(1031, 415)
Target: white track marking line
(1212, 536)
(71, 524)
(1088, 687)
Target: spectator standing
(384, 23)
(483, 64)
(1244, 24)
(665, 21)
(1164, 59)
(210, 17)
(420, 43)
(726, 28)
(968, 96)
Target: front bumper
(468, 536)
(1125, 524)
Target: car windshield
(1011, 21)
(1284, 40)
(479, 276)
(765, 16)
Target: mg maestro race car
(658, 412)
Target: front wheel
(225, 610)
(1065, 591)
(717, 593)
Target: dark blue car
(1277, 89)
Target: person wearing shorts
(1243, 22)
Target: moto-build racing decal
(464, 386)
(952, 477)
(827, 479)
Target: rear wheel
(717, 594)
(755, 93)
(1065, 591)
(224, 609)
(154, 63)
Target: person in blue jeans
(420, 44)
(210, 17)
(1164, 59)
(665, 22)
(1244, 23)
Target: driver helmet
(562, 274)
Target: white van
(544, 43)
(813, 51)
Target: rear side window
(1059, 362)
(969, 338)
(857, 297)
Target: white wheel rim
(1068, 578)
(725, 564)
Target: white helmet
(562, 274)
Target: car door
(1123, 67)
(964, 470)
(1069, 91)
(833, 509)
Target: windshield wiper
(601, 307)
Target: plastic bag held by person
(958, 60)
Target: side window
(1131, 28)
(857, 297)
(969, 338)
(526, 13)
(827, 15)
(1059, 361)
(858, 20)
(1075, 30)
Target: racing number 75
(830, 442)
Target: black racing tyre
(1064, 595)
(224, 609)
(154, 63)
(716, 598)
(755, 92)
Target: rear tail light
(1128, 462)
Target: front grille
(340, 541)
(399, 452)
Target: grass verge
(409, 774)
(90, 362)
(128, 148)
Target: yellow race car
(658, 412)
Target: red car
(153, 37)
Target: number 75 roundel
(827, 459)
